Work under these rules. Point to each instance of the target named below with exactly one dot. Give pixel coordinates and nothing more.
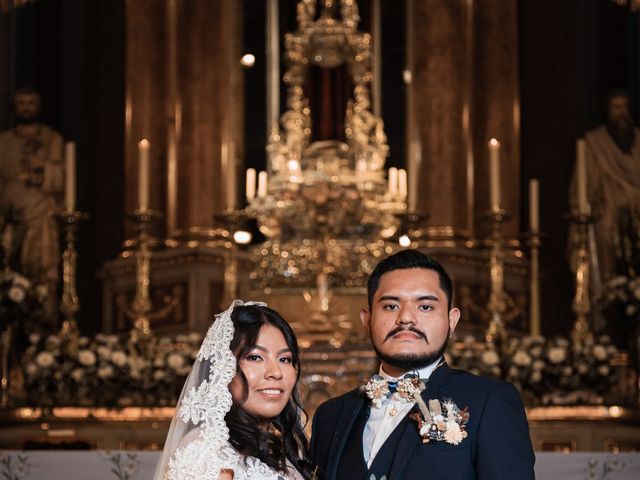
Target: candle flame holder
(534, 240)
(70, 303)
(141, 335)
(497, 305)
(581, 306)
(6, 337)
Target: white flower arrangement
(103, 371)
(546, 371)
(20, 301)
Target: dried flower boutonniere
(406, 390)
(441, 421)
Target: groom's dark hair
(408, 259)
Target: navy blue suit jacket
(497, 446)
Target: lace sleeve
(188, 463)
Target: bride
(239, 415)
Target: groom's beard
(412, 361)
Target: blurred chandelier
(325, 207)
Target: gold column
(184, 92)
(145, 100)
(173, 114)
(495, 107)
(437, 46)
(464, 90)
(211, 112)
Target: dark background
(571, 52)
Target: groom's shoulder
(472, 382)
(337, 402)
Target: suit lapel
(348, 416)
(410, 439)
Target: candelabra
(6, 337)
(325, 206)
(141, 305)
(581, 301)
(70, 304)
(497, 305)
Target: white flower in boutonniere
(453, 434)
(408, 388)
(377, 390)
(441, 421)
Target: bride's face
(270, 373)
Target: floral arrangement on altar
(20, 300)
(546, 371)
(621, 297)
(104, 371)
(619, 300)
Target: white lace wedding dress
(199, 461)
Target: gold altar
(552, 429)
(324, 210)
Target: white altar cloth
(121, 465)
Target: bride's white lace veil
(194, 448)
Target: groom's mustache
(397, 330)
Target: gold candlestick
(497, 305)
(141, 305)
(6, 338)
(581, 299)
(534, 242)
(70, 304)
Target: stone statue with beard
(31, 191)
(613, 181)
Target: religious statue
(31, 191)
(613, 176)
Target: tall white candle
(402, 183)
(323, 286)
(70, 177)
(494, 174)
(143, 174)
(534, 202)
(262, 184)
(251, 184)
(581, 160)
(393, 181)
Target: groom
(437, 423)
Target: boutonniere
(439, 422)
(406, 390)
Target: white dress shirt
(381, 423)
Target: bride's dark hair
(289, 441)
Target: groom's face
(409, 321)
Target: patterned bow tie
(403, 390)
